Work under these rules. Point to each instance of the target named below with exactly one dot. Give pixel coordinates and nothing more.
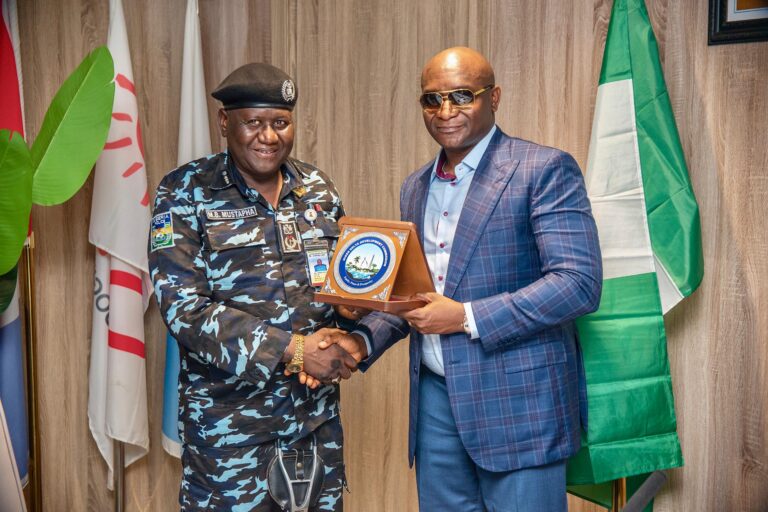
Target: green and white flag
(648, 223)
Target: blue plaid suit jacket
(526, 255)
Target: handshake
(332, 354)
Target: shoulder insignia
(162, 231)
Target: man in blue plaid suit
(497, 383)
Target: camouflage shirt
(231, 298)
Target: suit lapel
(418, 201)
(491, 177)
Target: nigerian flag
(648, 223)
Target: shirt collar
(230, 175)
(471, 161)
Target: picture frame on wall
(738, 21)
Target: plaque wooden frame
(393, 292)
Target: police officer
(234, 247)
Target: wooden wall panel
(718, 339)
(357, 64)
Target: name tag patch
(162, 231)
(242, 213)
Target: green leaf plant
(70, 141)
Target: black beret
(257, 85)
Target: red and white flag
(117, 401)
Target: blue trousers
(448, 479)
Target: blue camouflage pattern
(232, 300)
(237, 481)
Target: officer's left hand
(441, 315)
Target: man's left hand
(441, 315)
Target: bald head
(462, 61)
(457, 128)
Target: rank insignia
(290, 241)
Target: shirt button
(445, 214)
(439, 278)
(453, 183)
(442, 245)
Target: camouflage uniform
(232, 299)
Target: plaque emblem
(365, 262)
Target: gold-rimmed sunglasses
(459, 98)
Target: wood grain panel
(718, 338)
(353, 121)
(72, 28)
(357, 65)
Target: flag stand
(119, 476)
(619, 494)
(35, 466)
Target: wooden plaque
(377, 264)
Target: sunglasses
(459, 98)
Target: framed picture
(738, 21)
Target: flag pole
(119, 477)
(31, 344)
(619, 494)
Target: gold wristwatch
(296, 364)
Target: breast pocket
(323, 227)
(224, 235)
(238, 254)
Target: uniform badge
(290, 241)
(288, 91)
(162, 231)
(317, 261)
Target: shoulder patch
(162, 231)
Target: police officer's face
(259, 139)
(457, 130)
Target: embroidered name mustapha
(231, 214)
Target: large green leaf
(74, 130)
(15, 197)
(7, 287)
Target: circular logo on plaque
(365, 262)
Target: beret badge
(288, 91)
